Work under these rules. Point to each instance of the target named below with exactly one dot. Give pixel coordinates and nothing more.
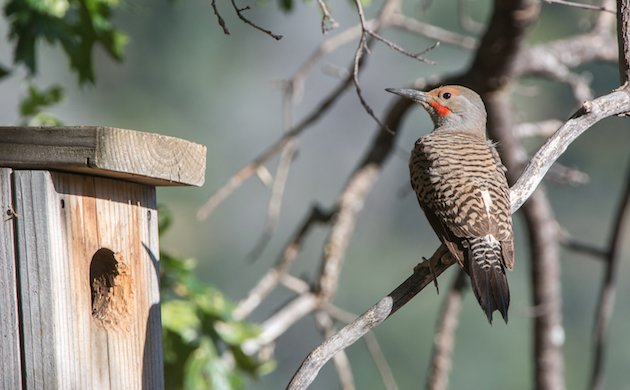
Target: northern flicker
(460, 183)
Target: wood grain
(105, 151)
(32, 203)
(67, 219)
(10, 365)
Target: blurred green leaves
(31, 107)
(77, 25)
(3, 71)
(286, 5)
(203, 344)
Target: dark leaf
(286, 5)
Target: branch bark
(623, 37)
(607, 294)
(444, 339)
(606, 301)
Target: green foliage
(31, 106)
(78, 25)
(286, 5)
(3, 71)
(199, 330)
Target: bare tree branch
(426, 271)
(444, 339)
(467, 23)
(537, 129)
(581, 5)
(244, 173)
(358, 55)
(388, 10)
(566, 175)
(581, 247)
(607, 294)
(239, 13)
(328, 23)
(421, 277)
(277, 324)
(219, 18)
(623, 39)
(502, 56)
(416, 56)
(342, 364)
(273, 277)
(282, 175)
(373, 347)
(614, 103)
(544, 256)
(606, 301)
(432, 32)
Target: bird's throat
(439, 109)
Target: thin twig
(378, 357)
(239, 13)
(389, 15)
(623, 41)
(219, 18)
(244, 173)
(282, 174)
(372, 344)
(605, 20)
(614, 103)
(564, 175)
(432, 32)
(543, 128)
(465, 21)
(387, 306)
(358, 56)
(584, 248)
(581, 5)
(606, 303)
(342, 364)
(282, 320)
(328, 23)
(444, 339)
(274, 276)
(416, 56)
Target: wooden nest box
(79, 255)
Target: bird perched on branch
(460, 183)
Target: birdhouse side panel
(10, 365)
(32, 197)
(100, 256)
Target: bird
(460, 183)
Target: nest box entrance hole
(112, 290)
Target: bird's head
(451, 107)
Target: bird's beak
(416, 96)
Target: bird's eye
(446, 95)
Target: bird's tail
(487, 275)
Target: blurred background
(181, 76)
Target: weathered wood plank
(89, 220)
(32, 202)
(10, 365)
(105, 151)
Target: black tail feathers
(487, 275)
